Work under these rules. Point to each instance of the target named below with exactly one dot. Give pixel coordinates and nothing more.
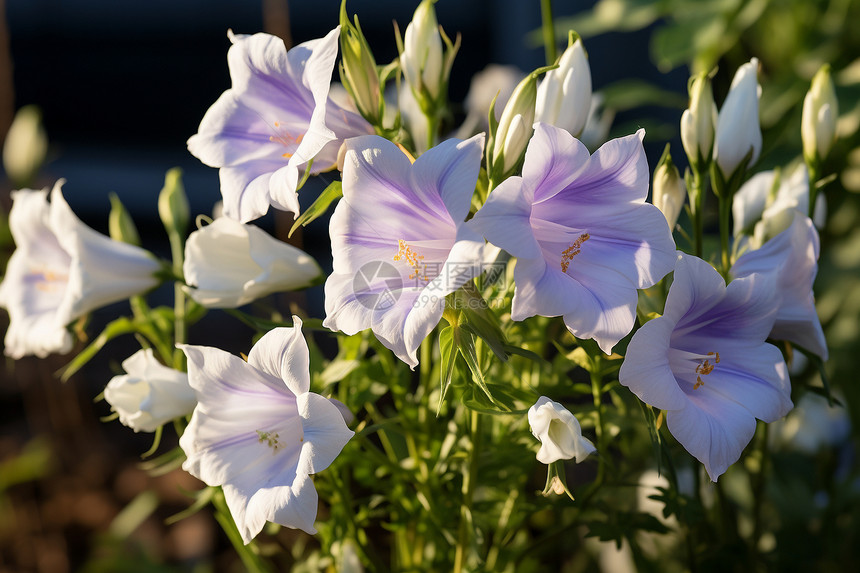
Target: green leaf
(449, 357)
(320, 206)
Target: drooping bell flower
(228, 264)
(277, 116)
(706, 362)
(558, 431)
(149, 394)
(398, 239)
(61, 270)
(258, 432)
(584, 238)
(792, 256)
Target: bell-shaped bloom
(738, 131)
(792, 256)
(149, 394)
(564, 94)
(706, 362)
(61, 270)
(228, 264)
(583, 235)
(277, 116)
(757, 200)
(259, 433)
(558, 431)
(398, 239)
(422, 57)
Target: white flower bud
(558, 431)
(26, 146)
(515, 126)
(564, 95)
(149, 394)
(738, 131)
(820, 112)
(421, 59)
(669, 190)
(231, 264)
(698, 122)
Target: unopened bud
(421, 59)
(564, 95)
(120, 224)
(820, 112)
(173, 204)
(515, 127)
(358, 70)
(738, 132)
(698, 121)
(669, 190)
(26, 146)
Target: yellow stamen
(704, 368)
(573, 250)
(412, 258)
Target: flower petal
(325, 432)
(283, 353)
(504, 220)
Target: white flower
(231, 264)
(149, 394)
(421, 59)
(564, 95)
(558, 431)
(60, 271)
(738, 130)
(259, 433)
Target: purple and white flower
(706, 362)
(61, 270)
(584, 238)
(792, 256)
(259, 433)
(277, 116)
(399, 242)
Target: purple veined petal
(545, 291)
(616, 174)
(715, 433)
(283, 353)
(554, 159)
(646, 370)
(455, 182)
(695, 281)
(293, 506)
(325, 432)
(282, 187)
(245, 190)
(402, 327)
(504, 220)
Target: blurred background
(121, 86)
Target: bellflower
(399, 243)
(792, 256)
(259, 433)
(738, 132)
(583, 235)
(149, 394)
(229, 264)
(60, 271)
(706, 362)
(758, 200)
(564, 95)
(277, 116)
(558, 431)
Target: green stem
(697, 200)
(725, 222)
(469, 478)
(597, 396)
(253, 563)
(814, 175)
(758, 490)
(548, 31)
(180, 335)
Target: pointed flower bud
(564, 95)
(515, 127)
(738, 131)
(421, 59)
(26, 146)
(820, 112)
(120, 223)
(697, 122)
(669, 190)
(173, 203)
(358, 70)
